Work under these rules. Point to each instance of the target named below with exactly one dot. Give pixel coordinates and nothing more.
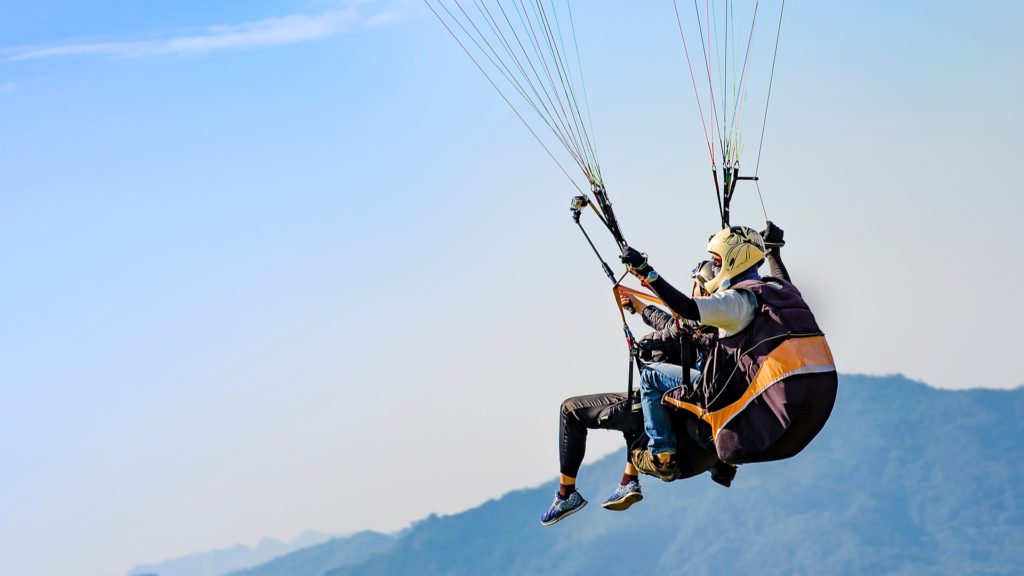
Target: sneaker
(561, 508)
(723, 473)
(648, 464)
(625, 495)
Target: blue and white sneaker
(561, 508)
(625, 495)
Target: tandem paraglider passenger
(768, 383)
(671, 343)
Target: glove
(772, 236)
(650, 349)
(647, 345)
(635, 261)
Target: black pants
(608, 411)
(611, 411)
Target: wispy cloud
(260, 33)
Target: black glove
(647, 344)
(648, 348)
(772, 236)
(635, 261)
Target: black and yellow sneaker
(649, 464)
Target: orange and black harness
(796, 355)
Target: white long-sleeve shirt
(728, 310)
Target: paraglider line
(693, 79)
(768, 100)
(757, 184)
(739, 105)
(561, 131)
(503, 97)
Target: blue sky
(252, 251)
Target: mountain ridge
(229, 558)
(905, 479)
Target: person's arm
(730, 310)
(657, 318)
(774, 257)
(662, 345)
(678, 302)
(632, 304)
(773, 242)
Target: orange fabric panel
(794, 356)
(619, 289)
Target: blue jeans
(655, 379)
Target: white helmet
(739, 249)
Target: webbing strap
(621, 290)
(809, 355)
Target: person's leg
(609, 411)
(656, 379)
(630, 473)
(578, 415)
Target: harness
(795, 355)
